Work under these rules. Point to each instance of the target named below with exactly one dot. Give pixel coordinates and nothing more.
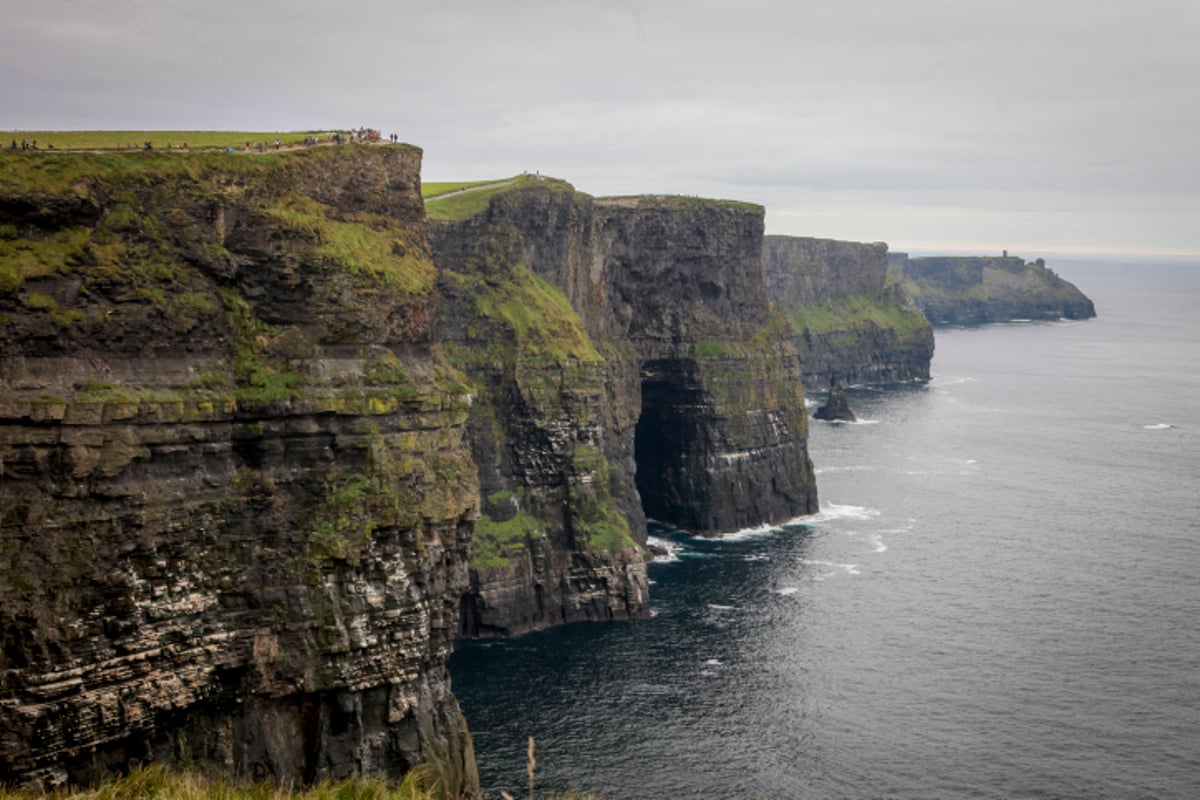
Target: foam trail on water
(849, 569)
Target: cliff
(849, 321)
(627, 360)
(976, 290)
(235, 481)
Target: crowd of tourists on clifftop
(362, 135)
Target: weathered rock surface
(235, 485)
(977, 290)
(627, 359)
(848, 318)
(836, 407)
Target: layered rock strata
(235, 483)
(850, 321)
(976, 290)
(613, 340)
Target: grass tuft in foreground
(156, 782)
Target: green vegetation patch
(432, 189)
(852, 311)
(598, 523)
(364, 244)
(121, 140)
(495, 543)
(677, 202)
(455, 205)
(22, 259)
(537, 321)
(260, 381)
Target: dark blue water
(1000, 598)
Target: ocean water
(999, 599)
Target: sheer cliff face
(849, 322)
(977, 290)
(562, 532)
(721, 440)
(236, 490)
(611, 340)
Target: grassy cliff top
(675, 202)
(458, 200)
(121, 140)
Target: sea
(1000, 597)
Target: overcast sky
(934, 125)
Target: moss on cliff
(359, 243)
(850, 311)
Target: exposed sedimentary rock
(848, 318)
(613, 338)
(976, 290)
(236, 488)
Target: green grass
(457, 207)
(523, 317)
(494, 543)
(853, 310)
(676, 202)
(159, 783)
(365, 244)
(117, 140)
(434, 188)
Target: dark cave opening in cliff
(669, 443)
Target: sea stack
(836, 407)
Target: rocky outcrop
(613, 340)
(848, 318)
(976, 290)
(836, 407)
(235, 483)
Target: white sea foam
(712, 662)
(877, 543)
(787, 590)
(756, 557)
(831, 512)
(849, 468)
(744, 534)
(716, 607)
(849, 569)
(659, 545)
(1160, 426)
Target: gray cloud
(944, 123)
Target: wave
(849, 569)
(757, 532)
(877, 543)
(716, 607)
(1158, 426)
(832, 512)
(850, 468)
(786, 590)
(664, 550)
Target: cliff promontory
(850, 322)
(235, 483)
(628, 364)
(964, 290)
